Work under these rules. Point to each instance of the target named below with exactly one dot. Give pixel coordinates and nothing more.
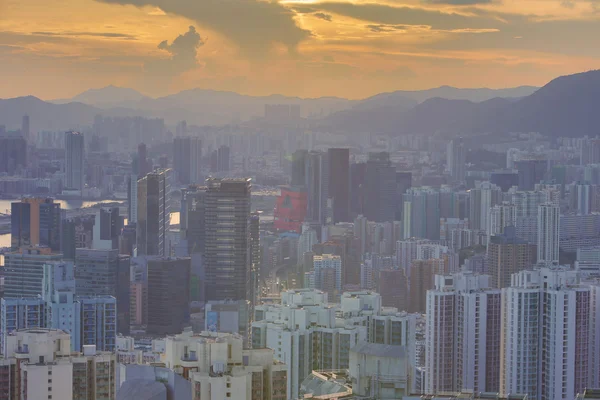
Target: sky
(308, 48)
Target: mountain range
(564, 107)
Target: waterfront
(65, 204)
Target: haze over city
(299, 199)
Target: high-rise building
(153, 213)
(501, 216)
(393, 287)
(422, 213)
(223, 159)
(456, 160)
(13, 152)
(421, 279)
(290, 209)
(548, 234)
(590, 151)
(107, 229)
(255, 258)
(187, 152)
(403, 184)
(308, 238)
(304, 335)
(191, 218)
(219, 367)
(299, 160)
(105, 273)
(380, 185)
(25, 128)
(168, 295)
(483, 197)
(24, 271)
(357, 188)
(143, 164)
(462, 336)
(585, 199)
(328, 274)
(579, 231)
(507, 255)
(531, 171)
(43, 367)
(339, 183)
(317, 184)
(546, 336)
(74, 156)
(227, 242)
(132, 199)
(36, 222)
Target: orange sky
(305, 48)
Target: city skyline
(307, 49)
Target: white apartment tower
(546, 335)
(548, 233)
(462, 338)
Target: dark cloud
(391, 15)
(386, 28)
(323, 16)
(255, 25)
(88, 34)
(183, 51)
(460, 2)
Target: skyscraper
(24, 271)
(298, 176)
(105, 273)
(590, 151)
(456, 160)
(168, 295)
(13, 151)
(74, 156)
(548, 233)
(483, 197)
(507, 255)
(328, 274)
(107, 228)
(227, 240)
(462, 339)
(143, 164)
(36, 222)
(403, 184)
(380, 194)
(132, 199)
(317, 184)
(422, 214)
(191, 217)
(531, 171)
(25, 129)
(546, 336)
(223, 159)
(339, 183)
(153, 213)
(187, 152)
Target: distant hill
(444, 92)
(567, 106)
(44, 115)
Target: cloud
(254, 25)
(114, 35)
(183, 51)
(323, 16)
(392, 15)
(460, 2)
(386, 28)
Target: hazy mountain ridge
(565, 106)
